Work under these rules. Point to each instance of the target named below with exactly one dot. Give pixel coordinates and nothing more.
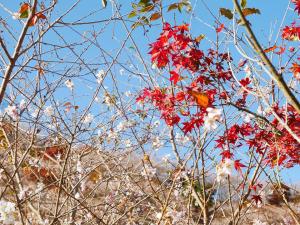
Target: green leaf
(250, 11)
(147, 8)
(132, 14)
(144, 2)
(226, 12)
(187, 5)
(136, 24)
(243, 3)
(104, 3)
(173, 6)
(145, 20)
(134, 6)
(24, 10)
(25, 14)
(155, 16)
(180, 6)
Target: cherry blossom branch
(16, 54)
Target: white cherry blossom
(213, 115)
(69, 84)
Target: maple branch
(277, 77)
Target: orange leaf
(33, 21)
(281, 50)
(296, 70)
(35, 18)
(201, 98)
(95, 175)
(41, 16)
(270, 49)
(24, 8)
(200, 38)
(155, 16)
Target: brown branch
(16, 54)
(5, 49)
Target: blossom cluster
(7, 212)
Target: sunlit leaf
(146, 158)
(144, 2)
(199, 38)
(132, 14)
(104, 3)
(24, 10)
(147, 8)
(226, 12)
(41, 16)
(296, 70)
(173, 6)
(155, 16)
(270, 49)
(201, 98)
(243, 3)
(95, 176)
(35, 19)
(250, 11)
(3, 140)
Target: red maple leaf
(226, 154)
(220, 28)
(297, 6)
(238, 165)
(257, 198)
(175, 77)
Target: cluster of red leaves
(176, 49)
(174, 44)
(164, 102)
(292, 33)
(297, 6)
(184, 104)
(272, 139)
(295, 69)
(245, 83)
